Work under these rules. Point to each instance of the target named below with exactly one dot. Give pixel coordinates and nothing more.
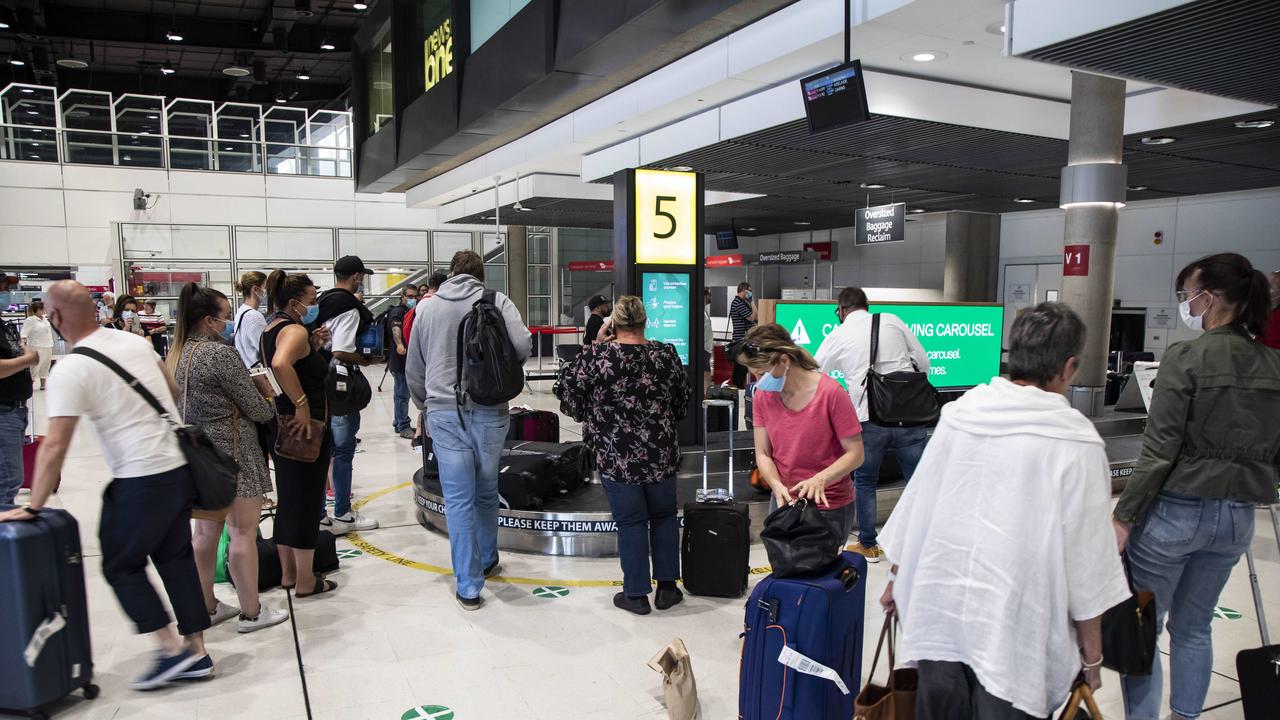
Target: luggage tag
(800, 663)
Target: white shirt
(249, 326)
(1003, 538)
(344, 328)
(847, 350)
(135, 440)
(37, 332)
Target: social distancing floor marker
(348, 553)
(1224, 613)
(357, 540)
(428, 712)
(550, 592)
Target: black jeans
(150, 517)
(950, 691)
(647, 523)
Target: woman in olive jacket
(1209, 456)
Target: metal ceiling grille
(1221, 47)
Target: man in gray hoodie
(469, 450)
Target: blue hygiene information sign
(666, 300)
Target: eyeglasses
(1188, 295)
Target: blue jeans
(345, 428)
(469, 461)
(401, 403)
(646, 517)
(13, 424)
(1184, 553)
(908, 445)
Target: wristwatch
(30, 510)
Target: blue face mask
(770, 382)
(410, 302)
(308, 317)
(750, 295)
(228, 329)
(6, 297)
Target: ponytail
(1232, 277)
(1257, 310)
(194, 304)
(282, 287)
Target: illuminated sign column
(437, 54)
(657, 252)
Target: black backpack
(489, 370)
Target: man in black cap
(600, 308)
(346, 317)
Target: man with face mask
(15, 392)
(346, 317)
(396, 357)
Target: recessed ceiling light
(1137, 188)
(917, 210)
(126, 158)
(33, 112)
(1158, 140)
(680, 168)
(173, 35)
(304, 75)
(328, 45)
(996, 28)
(35, 157)
(244, 135)
(871, 186)
(167, 69)
(77, 113)
(1023, 200)
(803, 222)
(236, 71)
(924, 57)
(153, 117)
(72, 63)
(27, 91)
(359, 6)
(381, 85)
(16, 61)
(35, 144)
(748, 229)
(1258, 124)
(228, 147)
(4, 25)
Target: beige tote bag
(678, 684)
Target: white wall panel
(197, 209)
(1032, 234)
(689, 134)
(392, 215)
(30, 174)
(88, 177)
(1143, 279)
(1242, 222)
(89, 245)
(88, 208)
(211, 183)
(31, 245)
(1135, 232)
(32, 206)
(309, 188)
(303, 213)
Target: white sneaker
(267, 616)
(222, 613)
(352, 521)
(326, 523)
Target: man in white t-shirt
(1004, 558)
(344, 313)
(847, 350)
(146, 510)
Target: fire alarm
(1159, 238)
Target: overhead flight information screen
(835, 97)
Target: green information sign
(962, 341)
(666, 300)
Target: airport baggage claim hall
(732, 164)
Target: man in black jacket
(346, 318)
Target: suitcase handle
(733, 423)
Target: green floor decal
(428, 712)
(550, 591)
(348, 553)
(1224, 613)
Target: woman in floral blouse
(634, 391)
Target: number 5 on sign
(666, 210)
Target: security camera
(140, 199)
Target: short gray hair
(1042, 340)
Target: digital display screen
(666, 300)
(835, 97)
(726, 240)
(962, 341)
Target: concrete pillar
(1097, 136)
(972, 257)
(518, 268)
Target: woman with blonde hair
(807, 434)
(635, 390)
(249, 320)
(216, 393)
(37, 334)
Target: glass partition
(329, 144)
(28, 123)
(380, 79)
(165, 278)
(286, 133)
(271, 243)
(151, 240)
(445, 244)
(87, 122)
(238, 128)
(139, 138)
(190, 125)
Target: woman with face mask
(807, 435)
(249, 320)
(1208, 458)
(216, 393)
(125, 316)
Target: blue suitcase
(819, 620)
(44, 619)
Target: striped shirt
(739, 312)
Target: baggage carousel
(579, 524)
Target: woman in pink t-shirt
(807, 435)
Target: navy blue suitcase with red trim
(44, 618)
(819, 620)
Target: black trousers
(149, 517)
(300, 496)
(950, 691)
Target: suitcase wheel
(91, 691)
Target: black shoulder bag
(213, 471)
(898, 399)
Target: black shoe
(637, 605)
(474, 603)
(667, 597)
(493, 568)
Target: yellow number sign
(666, 210)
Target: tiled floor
(392, 638)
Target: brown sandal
(322, 586)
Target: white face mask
(1195, 322)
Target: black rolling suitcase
(1259, 668)
(714, 553)
(44, 617)
(569, 462)
(525, 480)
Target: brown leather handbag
(895, 700)
(296, 447)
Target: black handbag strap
(875, 342)
(132, 381)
